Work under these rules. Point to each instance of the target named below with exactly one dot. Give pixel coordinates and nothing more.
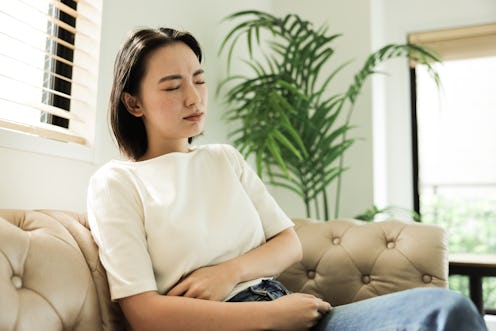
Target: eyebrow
(174, 77)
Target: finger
(178, 290)
(191, 293)
(305, 295)
(324, 307)
(197, 294)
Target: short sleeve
(115, 216)
(274, 219)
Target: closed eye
(171, 88)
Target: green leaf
(285, 142)
(276, 153)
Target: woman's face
(173, 95)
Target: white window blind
(49, 67)
(459, 43)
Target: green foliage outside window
(471, 226)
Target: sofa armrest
(349, 260)
(51, 277)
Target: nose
(193, 96)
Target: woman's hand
(209, 283)
(297, 312)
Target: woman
(190, 237)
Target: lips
(194, 117)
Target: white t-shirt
(155, 221)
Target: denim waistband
(266, 290)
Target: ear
(132, 104)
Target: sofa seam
(405, 255)
(49, 303)
(370, 285)
(77, 320)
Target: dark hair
(129, 69)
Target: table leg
(476, 292)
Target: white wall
(39, 181)
(31, 180)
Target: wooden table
(475, 266)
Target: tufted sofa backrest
(349, 260)
(50, 275)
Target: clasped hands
(302, 311)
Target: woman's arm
(279, 253)
(187, 311)
(215, 282)
(150, 311)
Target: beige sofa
(51, 278)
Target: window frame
(415, 143)
(56, 82)
(454, 43)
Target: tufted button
(336, 240)
(390, 244)
(365, 279)
(311, 274)
(427, 279)
(16, 281)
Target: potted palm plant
(297, 132)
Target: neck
(166, 148)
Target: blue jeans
(267, 290)
(420, 309)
